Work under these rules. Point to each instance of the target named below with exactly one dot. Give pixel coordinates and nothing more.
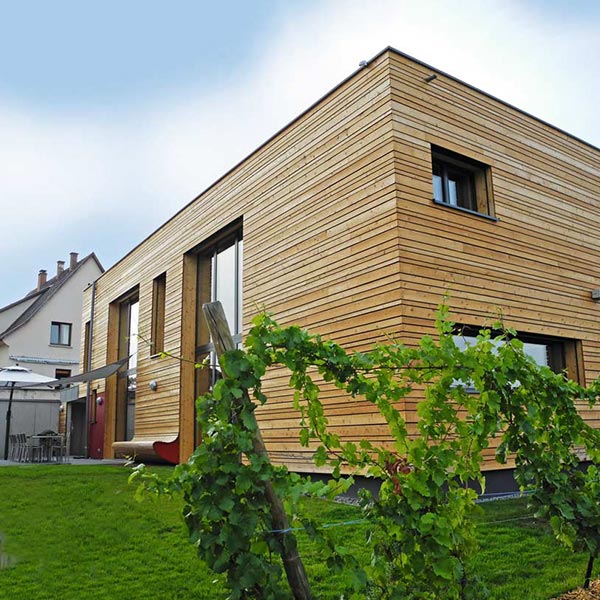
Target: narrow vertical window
(93, 407)
(158, 314)
(219, 277)
(85, 367)
(127, 377)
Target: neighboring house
(41, 332)
(354, 220)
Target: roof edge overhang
(363, 65)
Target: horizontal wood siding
(341, 236)
(537, 265)
(318, 204)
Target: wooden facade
(340, 235)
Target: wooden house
(354, 220)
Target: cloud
(102, 180)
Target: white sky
(94, 162)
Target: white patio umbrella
(16, 376)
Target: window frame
(126, 384)
(60, 325)
(157, 339)
(478, 175)
(206, 267)
(85, 367)
(564, 355)
(203, 280)
(93, 406)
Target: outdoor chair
(45, 450)
(12, 447)
(58, 449)
(35, 450)
(23, 448)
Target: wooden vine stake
(294, 568)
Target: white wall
(31, 413)
(33, 339)
(4, 352)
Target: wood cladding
(537, 264)
(341, 236)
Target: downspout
(88, 367)
(8, 415)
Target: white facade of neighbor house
(42, 332)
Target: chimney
(60, 267)
(73, 262)
(41, 279)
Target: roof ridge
(45, 294)
(16, 302)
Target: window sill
(467, 211)
(60, 346)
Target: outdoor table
(44, 447)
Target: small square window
(60, 334)
(461, 182)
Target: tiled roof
(44, 294)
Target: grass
(78, 533)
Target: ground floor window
(218, 277)
(127, 378)
(560, 354)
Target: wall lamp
(596, 294)
(153, 385)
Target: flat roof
(363, 65)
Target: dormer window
(60, 334)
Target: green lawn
(78, 533)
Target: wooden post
(588, 572)
(294, 568)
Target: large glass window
(559, 354)
(219, 277)
(127, 378)
(540, 352)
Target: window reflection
(539, 352)
(129, 312)
(224, 275)
(134, 317)
(219, 278)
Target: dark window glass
(158, 314)
(127, 377)
(219, 277)
(86, 348)
(459, 182)
(559, 354)
(60, 334)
